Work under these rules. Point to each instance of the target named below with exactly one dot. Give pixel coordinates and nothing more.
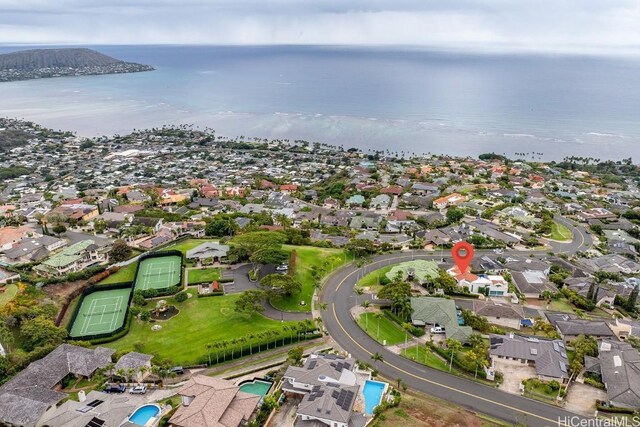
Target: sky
(528, 25)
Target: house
(532, 283)
(331, 203)
(209, 251)
(491, 230)
(208, 402)
(549, 357)
(425, 189)
(582, 285)
(619, 366)
(450, 200)
(154, 223)
(96, 409)
(7, 277)
(502, 314)
(439, 312)
(434, 237)
(32, 250)
(570, 328)
(355, 200)
(328, 387)
(74, 258)
(364, 222)
(612, 263)
(394, 190)
(26, 397)
(489, 285)
(204, 203)
(12, 235)
(139, 363)
(289, 188)
(595, 213)
(381, 201)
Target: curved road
(339, 296)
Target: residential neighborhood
(181, 278)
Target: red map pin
(462, 253)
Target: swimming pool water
(143, 414)
(261, 388)
(372, 392)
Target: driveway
(581, 398)
(513, 375)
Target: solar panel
(95, 422)
(563, 367)
(312, 364)
(95, 403)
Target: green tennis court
(158, 272)
(101, 312)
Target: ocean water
(401, 100)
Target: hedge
(415, 331)
(109, 335)
(604, 407)
(211, 294)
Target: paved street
(338, 294)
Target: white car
(437, 330)
(282, 267)
(139, 389)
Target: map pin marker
(462, 253)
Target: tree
(250, 302)
(40, 331)
(294, 356)
(377, 357)
(58, 229)
(399, 293)
(262, 247)
(120, 251)
(631, 300)
(280, 284)
(360, 247)
(454, 214)
(221, 226)
(181, 297)
(453, 346)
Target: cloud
(545, 25)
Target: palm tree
(323, 306)
(377, 357)
(209, 353)
(453, 345)
(285, 328)
(251, 338)
(378, 316)
(358, 292)
(224, 345)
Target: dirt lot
(417, 410)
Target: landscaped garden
(202, 275)
(424, 356)
(381, 329)
(10, 291)
(311, 266)
(203, 321)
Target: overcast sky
(545, 25)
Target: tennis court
(101, 312)
(158, 272)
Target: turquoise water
(372, 395)
(143, 414)
(261, 388)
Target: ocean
(404, 100)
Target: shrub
(181, 296)
(145, 315)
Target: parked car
(115, 388)
(437, 330)
(178, 370)
(139, 389)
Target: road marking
(554, 422)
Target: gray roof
(549, 356)
(133, 360)
(320, 365)
(25, 398)
(439, 311)
(575, 327)
(500, 310)
(531, 282)
(330, 403)
(208, 250)
(620, 368)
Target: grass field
(188, 244)
(101, 312)
(125, 274)
(199, 275)
(371, 280)
(158, 273)
(560, 232)
(201, 321)
(426, 357)
(308, 258)
(388, 330)
(10, 291)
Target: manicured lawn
(308, 258)
(560, 232)
(125, 274)
(200, 275)
(388, 330)
(201, 321)
(425, 357)
(10, 291)
(372, 279)
(562, 305)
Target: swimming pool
(256, 386)
(143, 414)
(372, 391)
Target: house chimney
(82, 396)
